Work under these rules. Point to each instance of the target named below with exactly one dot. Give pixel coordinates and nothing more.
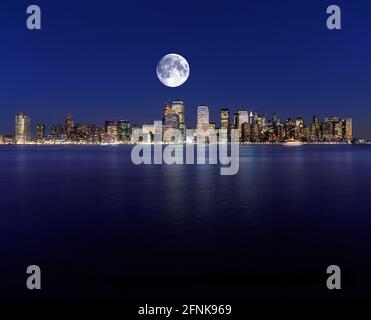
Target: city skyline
(252, 126)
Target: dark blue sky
(97, 59)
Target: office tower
(167, 110)
(224, 119)
(124, 130)
(93, 133)
(338, 131)
(40, 131)
(289, 129)
(69, 127)
(329, 129)
(81, 133)
(315, 130)
(275, 129)
(171, 120)
(108, 123)
(348, 129)
(224, 132)
(275, 119)
(22, 128)
(257, 127)
(56, 131)
(280, 133)
(245, 132)
(178, 107)
(111, 132)
(212, 125)
(299, 122)
(243, 117)
(203, 118)
(235, 120)
(9, 139)
(299, 126)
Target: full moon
(173, 70)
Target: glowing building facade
(22, 128)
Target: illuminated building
(329, 129)
(299, 126)
(224, 119)
(167, 110)
(203, 118)
(56, 131)
(245, 132)
(235, 121)
(108, 123)
(69, 128)
(112, 133)
(338, 131)
(124, 130)
(178, 107)
(22, 128)
(289, 129)
(348, 129)
(9, 139)
(40, 132)
(94, 133)
(212, 125)
(171, 120)
(243, 117)
(82, 133)
(315, 130)
(224, 132)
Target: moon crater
(173, 70)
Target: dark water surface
(101, 227)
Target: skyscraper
(40, 131)
(224, 126)
(167, 110)
(224, 119)
(329, 129)
(171, 120)
(348, 129)
(243, 117)
(299, 126)
(203, 118)
(315, 130)
(69, 128)
(56, 131)
(111, 132)
(178, 107)
(124, 130)
(108, 123)
(245, 132)
(22, 128)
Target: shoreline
(185, 144)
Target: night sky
(97, 59)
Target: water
(101, 227)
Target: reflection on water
(88, 215)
